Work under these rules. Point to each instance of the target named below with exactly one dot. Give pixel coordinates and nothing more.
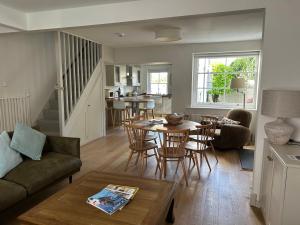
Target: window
(212, 77)
(158, 82)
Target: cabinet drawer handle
(269, 158)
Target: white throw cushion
(9, 158)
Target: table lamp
(239, 83)
(281, 104)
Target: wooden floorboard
(220, 197)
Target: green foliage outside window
(222, 75)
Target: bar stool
(122, 110)
(150, 106)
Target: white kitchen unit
(281, 184)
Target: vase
(278, 131)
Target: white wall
(87, 121)
(280, 67)
(108, 54)
(27, 65)
(181, 58)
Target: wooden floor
(220, 197)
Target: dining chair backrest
(119, 104)
(172, 141)
(210, 119)
(203, 134)
(136, 136)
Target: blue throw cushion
(9, 158)
(28, 141)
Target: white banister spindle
(79, 58)
(76, 60)
(74, 71)
(65, 77)
(81, 64)
(89, 59)
(69, 73)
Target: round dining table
(154, 125)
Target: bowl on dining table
(174, 119)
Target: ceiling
(43, 5)
(194, 29)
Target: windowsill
(218, 107)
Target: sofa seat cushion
(35, 175)
(10, 194)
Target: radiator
(13, 110)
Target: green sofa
(61, 159)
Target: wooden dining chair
(199, 145)
(138, 144)
(148, 137)
(211, 135)
(172, 148)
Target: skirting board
(253, 200)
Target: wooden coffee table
(153, 203)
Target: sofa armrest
(64, 145)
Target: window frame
(158, 70)
(195, 73)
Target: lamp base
(278, 131)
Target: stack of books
(112, 198)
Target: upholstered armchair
(234, 136)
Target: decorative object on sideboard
(238, 83)
(281, 104)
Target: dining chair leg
(129, 159)
(206, 159)
(157, 161)
(184, 172)
(114, 118)
(197, 163)
(214, 151)
(190, 159)
(152, 110)
(177, 167)
(142, 164)
(162, 168)
(165, 167)
(137, 158)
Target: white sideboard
(281, 185)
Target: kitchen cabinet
(115, 75)
(280, 185)
(136, 76)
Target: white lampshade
(168, 34)
(281, 103)
(237, 83)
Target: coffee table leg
(170, 216)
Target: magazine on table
(112, 198)
(125, 191)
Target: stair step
(48, 125)
(51, 114)
(53, 103)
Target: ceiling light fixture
(119, 34)
(168, 34)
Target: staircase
(77, 60)
(49, 120)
